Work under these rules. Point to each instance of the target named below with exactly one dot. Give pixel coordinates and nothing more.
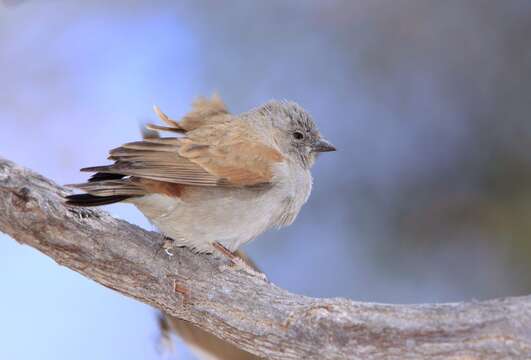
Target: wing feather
(233, 152)
(217, 149)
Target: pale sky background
(428, 102)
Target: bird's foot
(168, 246)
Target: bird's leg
(237, 261)
(224, 251)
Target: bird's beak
(323, 145)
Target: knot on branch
(21, 198)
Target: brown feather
(130, 187)
(111, 188)
(205, 111)
(217, 150)
(237, 153)
(149, 146)
(157, 165)
(165, 141)
(171, 123)
(161, 187)
(155, 127)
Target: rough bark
(243, 309)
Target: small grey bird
(221, 180)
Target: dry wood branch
(253, 314)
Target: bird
(218, 182)
(219, 179)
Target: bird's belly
(206, 215)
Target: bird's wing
(233, 152)
(225, 153)
(204, 111)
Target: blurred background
(427, 200)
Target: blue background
(428, 198)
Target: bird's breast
(231, 216)
(295, 187)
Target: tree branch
(253, 314)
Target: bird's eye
(298, 135)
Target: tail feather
(108, 185)
(104, 189)
(86, 200)
(111, 188)
(105, 176)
